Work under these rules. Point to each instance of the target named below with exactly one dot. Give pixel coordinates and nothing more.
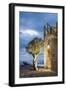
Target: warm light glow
(48, 47)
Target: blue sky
(31, 25)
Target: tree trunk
(35, 62)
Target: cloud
(29, 32)
(26, 35)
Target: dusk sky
(31, 25)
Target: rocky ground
(28, 71)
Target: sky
(31, 25)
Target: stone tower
(50, 47)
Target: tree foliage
(34, 46)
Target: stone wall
(50, 49)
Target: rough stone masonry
(50, 47)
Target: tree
(34, 48)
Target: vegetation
(34, 48)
